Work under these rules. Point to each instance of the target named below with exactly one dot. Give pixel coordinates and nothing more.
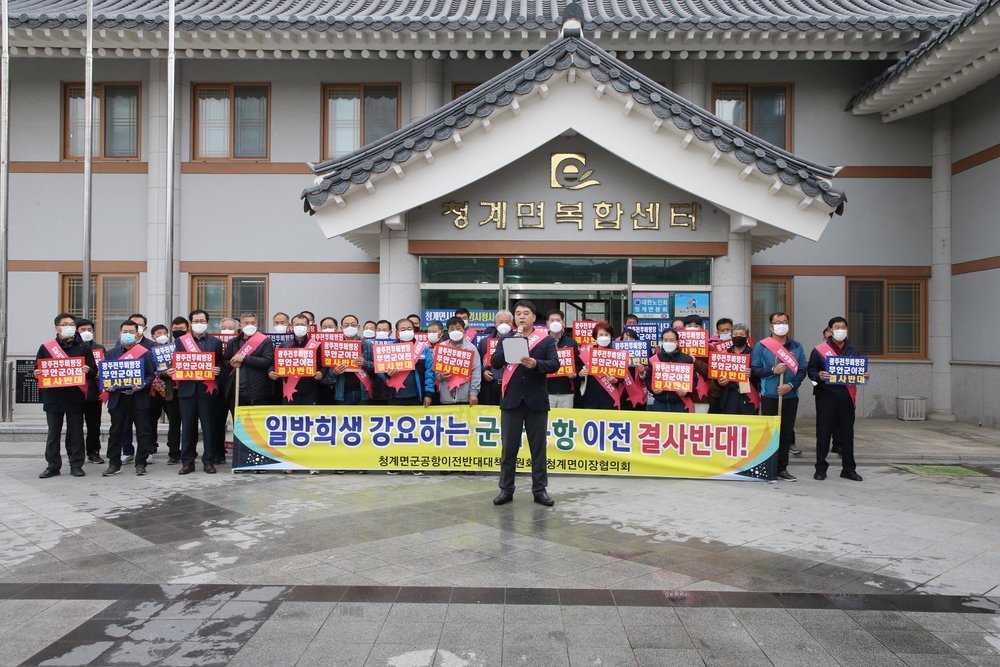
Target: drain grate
(941, 470)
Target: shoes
(127, 459)
(209, 468)
(820, 476)
(48, 472)
(794, 450)
(503, 498)
(173, 460)
(853, 476)
(391, 472)
(418, 473)
(544, 499)
(219, 460)
(787, 476)
(140, 469)
(314, 472)
(186, 469)
(339, 472)
(113, 469)
(95, 458)
(77, 471)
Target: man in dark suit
(525, 404)
(131, 405)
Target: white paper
(515, 348)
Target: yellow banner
(464, 438)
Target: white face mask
(406, 335)
(840, 335)
(67, 331)
(433, 336)
(466, 322)
(503, 329)
(249, 330)
(280, 328)
(225, 331)
(350, 332)
(725, 336)
(329, 329)
(368, 333)
(162, 340)
(381, 335)
(200, 327)
(555, 327)
(139, 331)
(669, 347)
(604, 341)
(300, 330)
(456, 335)
(87, 336)
(781, 329)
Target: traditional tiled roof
(916, 55)
(418, 15)
(340, 174)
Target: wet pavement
(272, 569)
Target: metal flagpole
(171, 109)
(88, 153)
(4, 198)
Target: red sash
(191, 345)
(636, 392)
(135, 352)
(252, 344)
(399, 379)
(615, 392)
(56, 352)
(686, 398)
(99, 357)
(536, 337)
(292, 383)
(826, 350)
(470, 334)
(721, 345)
(781, 354)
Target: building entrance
(607, 305)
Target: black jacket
(205, 344)
(254, 383)
(93, 391)
(817, 363)
(676, 357)
(141, 396)
(565, 385)
(307, 389)
(68, 399)
(527, 386)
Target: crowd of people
(244, 374)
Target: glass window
(113, 297)
(231, 122)
(770, 295)
(695, 271)
(357, 115)
(583, 271)
(886, 317)
(229, 296)
(762, 110)
(459, 270)
(115, 121)
(250, 122)
(449, 299)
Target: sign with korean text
(567, 363)
(325, 336)
(224, 337)
(478, 319)
(342, 353)
(163, 356)
(194, 366)
(279, 339)
(638, 351)
(393, 357)
(847, 370)
(491, 347)
(462, 437)
(608, 361)
(583, 331)
(120, 374)
(569, 212)
(651, 305)
(648, 331)
(453, 360)
(693, 342)
(691, 303)
(294, 362)
(59, 373)
(728, 366)
(669, 376)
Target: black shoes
(794, 451)
(853, 476)
(186, 469)
(173, 460)
(501, 499)
(48, 472)
(140, 469)
(544, 499)
(787, 476)
(77, 471)
(113, 469)
(820, 476)
(95, 458)
(209, 468)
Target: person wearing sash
(310, 316)
(598, 392)
(739, 398)
(304, 390)
(669, 352)
(562, 389)
(407, 387)
(169, 402)
(222, 409)
(435, 337)
(252, 353)
(465, 392)
(350, 388)
(835, 403)
(158, 391)
(95, 397)
(127, 447)
(503, 323)
(524, 404)
(65, 404)
(131, 405)
(779, 363)
(197, 398)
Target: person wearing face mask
(158, 390)
(127, 447)
(739, 398)
(165, 399)
(132, 404)
(835, 403)
(468, 391)
(228, 327)
(562, 389)
(503, 324)
(381, 334)
(669, 352)
(304, 390)
(95, 400)
(368, 330)
(435, 337)
(779, 363)
(599, 392)
(279, 323)
(343, 387)
(252, 353)
(65, 404)
(328, 325)
(197, 398)
(410, 387)
(722, 341)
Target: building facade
(578, 168)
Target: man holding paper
(129, 404)
(525, 358)
(455, 367)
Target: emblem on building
(569, 171)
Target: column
(426, 87)
(689, 81)
(939, 287)
(731, 274)
(398, 277)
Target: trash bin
(911, 408)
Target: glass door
(577, 304)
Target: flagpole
(88, 153)
(171, 110)
(5, 402)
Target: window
(113, 297)
(231, 122)
(357, 115)
(769, 296)
(459, 89)
(762, 110)
(229, 296)
(115, 124)
(886, 317)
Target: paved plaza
(275, 569)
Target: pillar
(939, 288)
(689, 81)
(398, 276)
(731, 274)
(426, 87)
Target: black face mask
(739, 341)
(177, 333)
